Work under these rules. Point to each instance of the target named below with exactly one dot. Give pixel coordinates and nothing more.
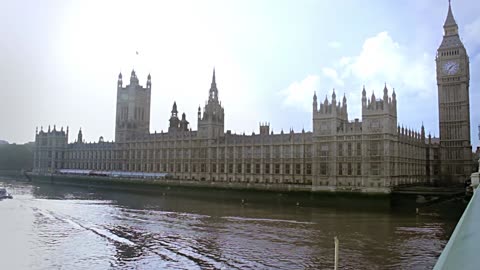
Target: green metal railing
(463, 249)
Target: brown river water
(61, 227)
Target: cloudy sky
(59, 60)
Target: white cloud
(333, 75)
(384, 60)
(300, 94)
(380, 60)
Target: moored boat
(4, 194)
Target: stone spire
(450, 20)
(80, 136)
(184, 123)
(120, 80)
(364, 97)
(133, 78)
(213, 78)
(385, 94)
(174, 109)
(174, 121)
(213, 89)
(450, 29)
(149, 81)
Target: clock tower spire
(453, 81)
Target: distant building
(374, 153)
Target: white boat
(4, 194)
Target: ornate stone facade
(339, 154)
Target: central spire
(213, 78)
(213, 89)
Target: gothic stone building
(453, 79)
(339, 154)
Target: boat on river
(4, 194)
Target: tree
(16, 156)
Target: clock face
(451, 68)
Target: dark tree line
(16, 156)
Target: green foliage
(16, 156)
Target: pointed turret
(133, 78)
(315, 104)
(214, 83)
(212, 124)
(149, 81)
(364, 97)
(80, 136)
(174, 108)
(213, 89)
(450, 20)
(174, 121)
(184, 123)
(120, 80)
(450, 28)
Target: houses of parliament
(374, 153)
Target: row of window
(450, 53)
(201, 168)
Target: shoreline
(140, 184)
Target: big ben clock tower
(453, 79)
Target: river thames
(61, 227)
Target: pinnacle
(450, 20)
